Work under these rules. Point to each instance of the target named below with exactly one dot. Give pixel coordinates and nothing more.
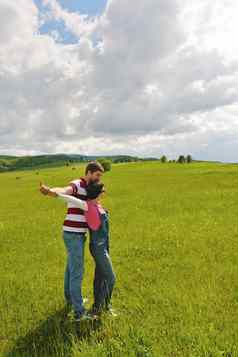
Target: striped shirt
(75, 219)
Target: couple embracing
(85, 213)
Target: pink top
(92, 216)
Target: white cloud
(78, 24)
(145, 78)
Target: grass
(174, 246)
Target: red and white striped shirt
(75, 220)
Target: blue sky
(89, 7)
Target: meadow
(174, 246)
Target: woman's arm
(76, 201)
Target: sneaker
(94, 312)
(85, 316)
(111, 311)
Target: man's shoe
(85, 316)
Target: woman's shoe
(111, 311)
(95, 312)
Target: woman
(98, 223)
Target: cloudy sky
(141, 77)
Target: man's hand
(45, 190)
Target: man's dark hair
(94, 190)
(94, 166)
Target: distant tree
(189, 159)
(106, 164)
(181, 159)
(163, 159)
(3, 168)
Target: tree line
(31, 162)
(181, 159)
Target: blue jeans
(74, 243)
(104, 278)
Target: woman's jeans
(74, 243)
(104, 278)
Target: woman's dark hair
(94, 190)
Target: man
(74, 235)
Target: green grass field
(174, 246)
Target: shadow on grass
(53, 337)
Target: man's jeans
(74, 243)
(104, 278)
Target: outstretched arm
(53, 192)
(76, 201)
